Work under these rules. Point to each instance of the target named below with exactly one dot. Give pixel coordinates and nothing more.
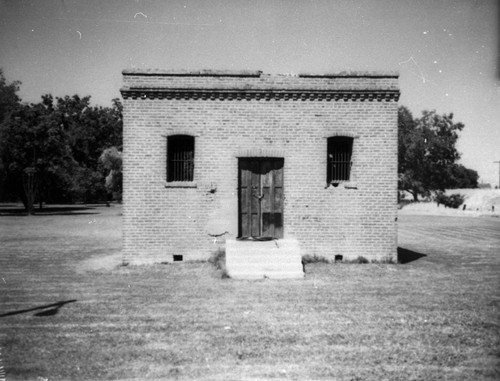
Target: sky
(447, 52)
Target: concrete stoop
(275, 259)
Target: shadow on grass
(48, 309)
(50, 211)
(407, 256)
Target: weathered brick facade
(233, 115)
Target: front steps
(274, 259)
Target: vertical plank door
(261, 198)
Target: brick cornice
(259, 94)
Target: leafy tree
(111, 159)
(91, 131)
(462, 177)
(452, 201)
(51, 150)
(9, 99)
(427, 152)
(33, 150)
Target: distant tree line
(64, 150)
(60, 150)
(428, 156)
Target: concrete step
(276, 259)
(272, 275)
(280, 267)
(262, 259)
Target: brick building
(212, 156)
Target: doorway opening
(260, 185)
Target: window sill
(180, 184)
(343, 184)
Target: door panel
(261, 198)
(267, 224)
(255, 201)
(245, 216)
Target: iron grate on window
(339, 159)
(180, 158)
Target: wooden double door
(261, 197)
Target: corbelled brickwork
(248, 114)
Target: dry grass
(433, 318)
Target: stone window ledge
(180, 184)
(343, 184)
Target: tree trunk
(22, 196)
(41, 189)
(31, 207)
(415, 195)
(29, 185)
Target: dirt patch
(99, 263)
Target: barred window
(339, 159)
(180, 158)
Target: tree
(427, 152)
(111, 159)
(91, 131)
(462, 177)
(33, 150)
(9, 100)
(50, 151)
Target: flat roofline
(256, 73)
(352, 74)
(192, 73)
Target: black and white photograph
(249, 190)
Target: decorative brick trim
(238, 94)
(260, 152)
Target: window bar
(180, 175)
(343, 165)
(185, 174)
(183, 168)
(343, 157)
(176, 163)
(341, 174)
(344, 177)
(176, 166)
(346, 165)
(339, 163)
(179, 166)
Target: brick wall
(252, 114)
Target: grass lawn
(62, 317)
